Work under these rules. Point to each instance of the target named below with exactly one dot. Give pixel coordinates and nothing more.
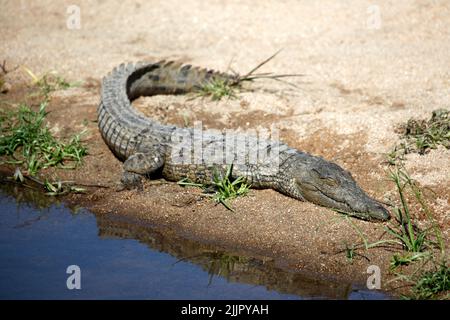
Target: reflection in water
(142, 274)
(27, 195)
(218, 263)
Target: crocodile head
(324, 183)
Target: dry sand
(363, 77)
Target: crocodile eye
(330, 182)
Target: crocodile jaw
(357, 205)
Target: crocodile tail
(123, 127)
(170, 77)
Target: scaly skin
(148, 147)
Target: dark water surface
(123, 259)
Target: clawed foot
(130, 181)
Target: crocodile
(149, 148)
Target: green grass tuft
(25, 140)
(398, 260)
(420, 136)
(49, 82)
(350, 252)
(225, 187)
(432, 283)
(218, 89)
(52, 82)
(403, 228)
(408, 235)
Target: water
(124, 259)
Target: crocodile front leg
(138, 165)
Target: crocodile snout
(370, 209)
(378, 212)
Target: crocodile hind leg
(139, 165)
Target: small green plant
(408, 235)
(420, 136)
(26, 140)
(350, 252)
(398, 260)
(432, 283)
(228, 188)
(218, 88)
(392, 157)
(49, 82)
(225, 187)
